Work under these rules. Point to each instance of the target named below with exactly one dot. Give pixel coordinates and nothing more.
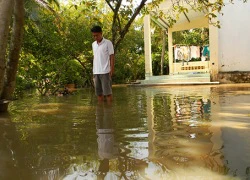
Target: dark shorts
(103, 84)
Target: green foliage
(57, 49)
(156, 65)
(156, 39)
(194, 37)
(73, 73)
(51, 47)
(129, 64)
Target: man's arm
(112, 64)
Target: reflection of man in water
(105, 140)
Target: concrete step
(194, 78)
(175, 83)
(179, 76)
(179, 79)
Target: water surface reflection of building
(231, 117)
(179, 130)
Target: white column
(147, 46)
(214, 47)
(170, 51)
(214, 52)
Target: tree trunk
(124, 31)
(15, 47)
(119, 32)
(163, 50)
(6, 8)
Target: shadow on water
(146, 133)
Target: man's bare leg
(100, 98)
(109, 98)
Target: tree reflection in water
(11, 154)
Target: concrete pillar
(214, 52)
(214, 47)
(147, 47)
(170, 51)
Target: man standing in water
(103, 64)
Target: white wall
(234, 37)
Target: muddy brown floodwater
(179, 132)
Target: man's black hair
(96, 29)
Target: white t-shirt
(102, 52)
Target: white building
(229, 45)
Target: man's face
(97, 36)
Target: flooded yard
(191, 132)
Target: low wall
(234, 77)
(198, 66)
